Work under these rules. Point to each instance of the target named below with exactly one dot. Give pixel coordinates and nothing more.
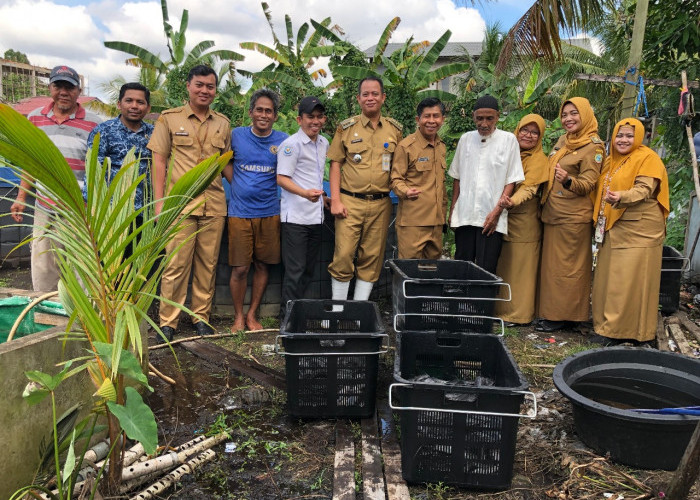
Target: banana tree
(408, 76)
(176, 43)
(109, 266)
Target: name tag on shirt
(423, 158)
(181, 133)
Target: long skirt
(518, 266)
(565, 272)
(626, 292)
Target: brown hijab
(533, 159)
(573, 140)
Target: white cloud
(75, 35)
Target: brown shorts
(250, 239)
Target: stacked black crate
(459, 390)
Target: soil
(271, 455)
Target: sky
(72, 32)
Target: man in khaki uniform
(361, 155)
(418, 179)
(186, 136)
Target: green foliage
(108, 294)
(16, 55)
(136, 420)
(15, 85)
(680, 180)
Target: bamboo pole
(215, 336)
(175, 476)
(689, 132)
(635, 58)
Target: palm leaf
(322, 31)
(419, 70)
(355, 72)
(384, 41)
(301, 36)
(266, 51)
(268, 16)
(446, 71)
(143, 54)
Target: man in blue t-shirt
(254, 208)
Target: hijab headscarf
(574, 140)
(640, 161)
(533, 159)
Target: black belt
(368, 196)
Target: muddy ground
(271, 455)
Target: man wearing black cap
(301, 160)
(486, 166)
(68, 125)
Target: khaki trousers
(199, 241)
(45, 271)
(363, 231)
(419, 242)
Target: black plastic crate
(672, 264)
(443, 295)
(460, 425)
(332, 357)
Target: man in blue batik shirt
(128, 130)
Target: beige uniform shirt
(185, 141)
(365, 153)
(574, 205)
(420, 165)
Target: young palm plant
(109, 266)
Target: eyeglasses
(531, 133)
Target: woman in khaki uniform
(519, 262)
(574, 168)
(632, 203)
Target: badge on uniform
(273, 150)
(287, 151)
(599, 158)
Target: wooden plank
(676, 332)
(662, 82)
(50, 319)
(661, 335)
(372, 475)
(688, 470)
(344, 466)
(396, 487)
(223, 357)
(690, 326)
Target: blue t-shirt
(254, 185)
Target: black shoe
(203, 329)
(168, 332)
(604, 341)
(546, 325)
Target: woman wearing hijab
(520, 254)
(574, 168)
(631, 207)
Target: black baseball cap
(308, 104)
(66, 74)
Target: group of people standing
(516, 213)
(619, 202)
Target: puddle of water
(274, 456)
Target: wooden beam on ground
(396, 487)
(223, 357)
(661, 335)
(50, 319)
(372, 475)
(688, 469)
(676, 332)
(344, 466)
(690, 326)
(647, 81)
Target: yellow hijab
(574, 140)
(534, 160)
(640, 161)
